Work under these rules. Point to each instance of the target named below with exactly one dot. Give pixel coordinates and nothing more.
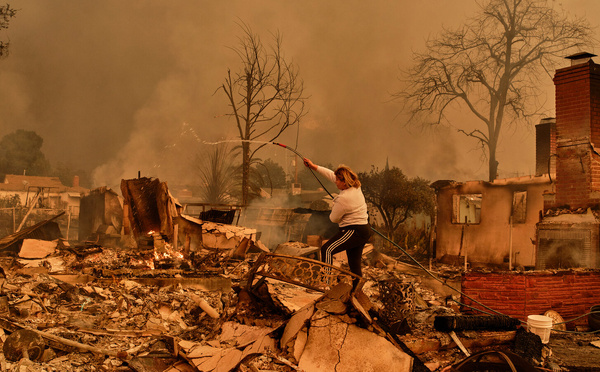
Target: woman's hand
(310, 164)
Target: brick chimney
(577, 133)
(75, 181)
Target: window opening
(519, 207)
(467, 208)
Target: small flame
(148, 263)
(167, 251)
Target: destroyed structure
(147, 288)
(152, 284)
(548, 221)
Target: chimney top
(579, 58)
(548, 120)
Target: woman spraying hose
(349, 211)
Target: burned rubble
(176, 293)
(105, 310)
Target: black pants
(351, 239)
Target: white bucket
(540, 325)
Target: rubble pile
(155, 308)
(94, 308)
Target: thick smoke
(119, 87)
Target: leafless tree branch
(490, 65)
(265, 95)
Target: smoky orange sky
(118, 87)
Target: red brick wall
(570, 293)
(572, 94)
(573, 176)
(577, 127)
(553, 151)
(595, 103)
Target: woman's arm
(325, 172)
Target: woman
(349, 211)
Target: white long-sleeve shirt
(349, 206)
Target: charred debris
(148, 288)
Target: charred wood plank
(449, 323)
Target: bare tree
(6, 13)
(265, 96)
(491, 65)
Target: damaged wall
(101, 212)
(570, 293)
(489, 235)
(147, 206)
(568, 241)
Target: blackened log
(475, 322)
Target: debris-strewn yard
(95, 308)
(86, 308)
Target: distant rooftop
(14, 182)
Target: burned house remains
(147, 287)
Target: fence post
(68, 222)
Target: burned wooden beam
(447, 323)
